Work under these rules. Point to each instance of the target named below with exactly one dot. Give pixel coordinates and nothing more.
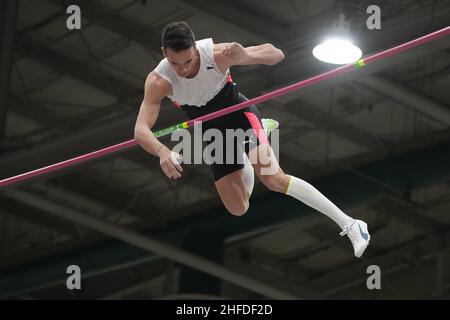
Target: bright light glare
(337, 51)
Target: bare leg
(233, 192)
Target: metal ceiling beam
(64, 196)
(442, 279)
(217, 19)
(281, 263)
(52, 273)
(155, 269)
(392, 261)
(77, 69)
(408, 213)
(8, 18)
(107, 257)
(407, 97)
(296, 288)
(248, 22)
(59, 122)
(37, 217)
(327, 121)
(152, 245)
(85, 184)
(108, 19)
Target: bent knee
(277, 182)
(238, 210)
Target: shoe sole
(364, 229)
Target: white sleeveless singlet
(204, 86)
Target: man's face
(183, 61)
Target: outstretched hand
(170, 163)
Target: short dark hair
(178, 36)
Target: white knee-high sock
(249, 176)
(303, 191)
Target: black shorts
(247, 119)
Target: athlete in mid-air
(195, 75)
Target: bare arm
(156, 89)
(231, 54)
(148, 114)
